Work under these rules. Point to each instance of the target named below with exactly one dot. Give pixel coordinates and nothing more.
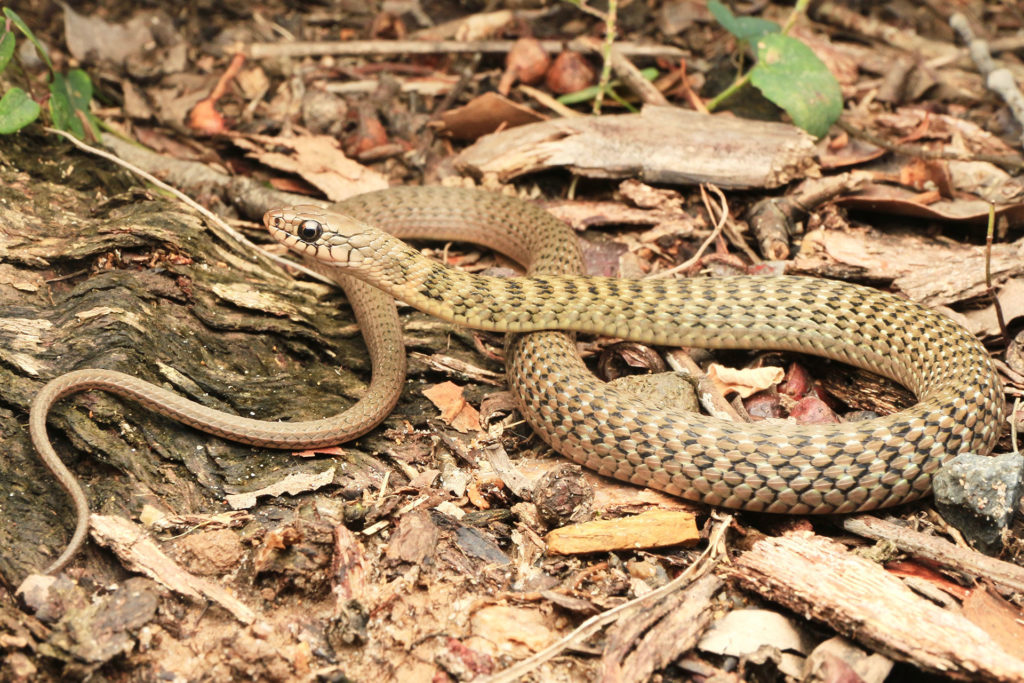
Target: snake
(767, 467)
(770, 467)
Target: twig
(962, 559)
(702, 565)
(606, 54)
(592, 11)
(988, 273)
(1013, 425)
(548, 101)
(225, 231)
(723, 216)
(998, 79)
(421, 47)
(634, 79)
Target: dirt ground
(451, 542)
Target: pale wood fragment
(1009, 577)
(819, 579)
(659, 145)
(140, 553)
(652, 529)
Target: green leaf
(591, 91)
(744, 28)
(17, 110)
(789, 74)
(23, 27)
(80, 93)
(61, 110)
(79, 89)
(6, 49)
(584, 95)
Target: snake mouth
(289, 231)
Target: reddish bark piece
(570, 72)
(797, 382)
(763, 405)
(999, 618)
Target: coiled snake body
(764, 467)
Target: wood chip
(140, 553)
(653, 529)
(820, 579)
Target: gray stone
(978, 494)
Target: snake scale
(772, 467)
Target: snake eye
(309, 230)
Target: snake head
(326, 236)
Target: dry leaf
(745, 382)
(448, 398)
(486, 114)
(319, 160)
(743, 631)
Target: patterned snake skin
(768, 466)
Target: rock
(978, 494)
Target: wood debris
(450, 544)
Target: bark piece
(729, 152)
(415, 540)
(292, 484)
(653, 529)
(672, 627)
(928, 270)
(998, 617)
(819, 579)
(1007, 576)
(140, 553)
(104, 629)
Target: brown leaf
(486, 114)
(448, 398)
(318, 159)
(745, 382)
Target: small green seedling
(69, 95)
(787, 72)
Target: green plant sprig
(69, 94)
(787, 72)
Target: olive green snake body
(772, 467)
